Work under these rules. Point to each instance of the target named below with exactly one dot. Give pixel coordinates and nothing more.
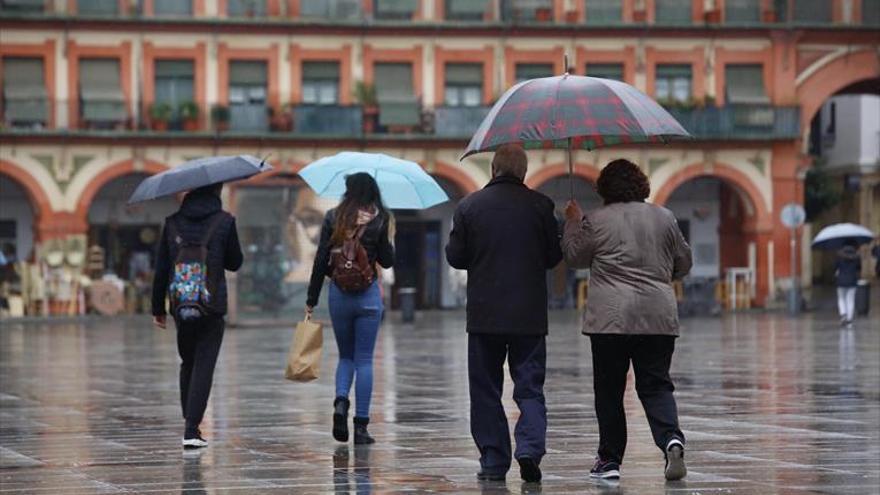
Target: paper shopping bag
(304, 358)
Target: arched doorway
(279, 221)
(420, 245)
(127, 234)
(562, 280)
(17, 220)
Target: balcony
(328, 120)
(458, 122)
(740, 122)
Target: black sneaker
(675, 468)
(529, 470)
(194, 440)
(605, 470)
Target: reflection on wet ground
(769, 404)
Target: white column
(62, 92)
(211, 72)
(285, 85)
(428, 61)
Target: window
(744, 84)
(172, 8)
(673, 11)
(464, 85)
(606, 71)
(780, 7)
(395, 9)
(394, 90)
(527, 10)
(25, 102)
(673, 83)
(174, 82)
(604, 11)
(246, 8)
(247, 96)
(742, 11)
(97, 7)
(320, 83)
(102, 103)
(466, 10)
(533, 71)
(23, 6)
(330, 9)
(871, 12)
(812, 11)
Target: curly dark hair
(622, 181)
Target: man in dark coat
(198, 340)
(506, 237)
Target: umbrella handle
(570, 171)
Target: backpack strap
(173, 232)
(212, 226)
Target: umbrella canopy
(574, 112)
(837, 235)
(197, 173)
(403, 184)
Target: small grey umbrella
(197, 173)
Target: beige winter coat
(634, 252)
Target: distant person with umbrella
(198, 243)
(634, 251)
(847, 269)
(876, 253)
(354, 239)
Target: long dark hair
(361, 193)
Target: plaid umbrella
(574, 112)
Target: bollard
(407, 303)
(863, 298)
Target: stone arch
(456, 175)
(544, 174)
(741, 183)
(108, 174)
(822, 82)
(39, 199)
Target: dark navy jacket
(506, 237)
(848, 267)
(224, 251)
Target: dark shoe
(606, 470)
(490, 476)
(675, 468)
(361, 435)
(529, 470)
(192, 439)
(340, 419)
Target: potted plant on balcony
(281, 119)
(220, 117)
(189, 115)
(160, 114)
(365, 94)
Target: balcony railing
(731, 122)
(599, 14)
(758, 122)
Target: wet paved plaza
(769, 405)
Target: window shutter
(173, 7)
(604, 11)
(742, 11)
(99, 79)
(606, 71)
(97, 7)
(322, 71)
(744, 84)
(673, 71)
(394, 81)
(464, 74)
(673, 11)
(23, 75)
(174, 68)
(533, 71)
(238, 8)
(247, 73)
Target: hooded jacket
(224, 251)
(848, 267)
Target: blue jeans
(356, 319)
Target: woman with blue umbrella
(355, 237)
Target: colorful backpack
(191, 286)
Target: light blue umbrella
(403, 184)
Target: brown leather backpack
(350, 267)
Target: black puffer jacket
(375, 241)
(224, 251)
(848, 267)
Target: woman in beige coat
(634, 251)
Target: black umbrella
(197, 173)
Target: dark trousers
(527, 360)
(198, 343)
(651, 356)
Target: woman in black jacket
(356, 314)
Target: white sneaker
(675, 468)
(196, 442)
